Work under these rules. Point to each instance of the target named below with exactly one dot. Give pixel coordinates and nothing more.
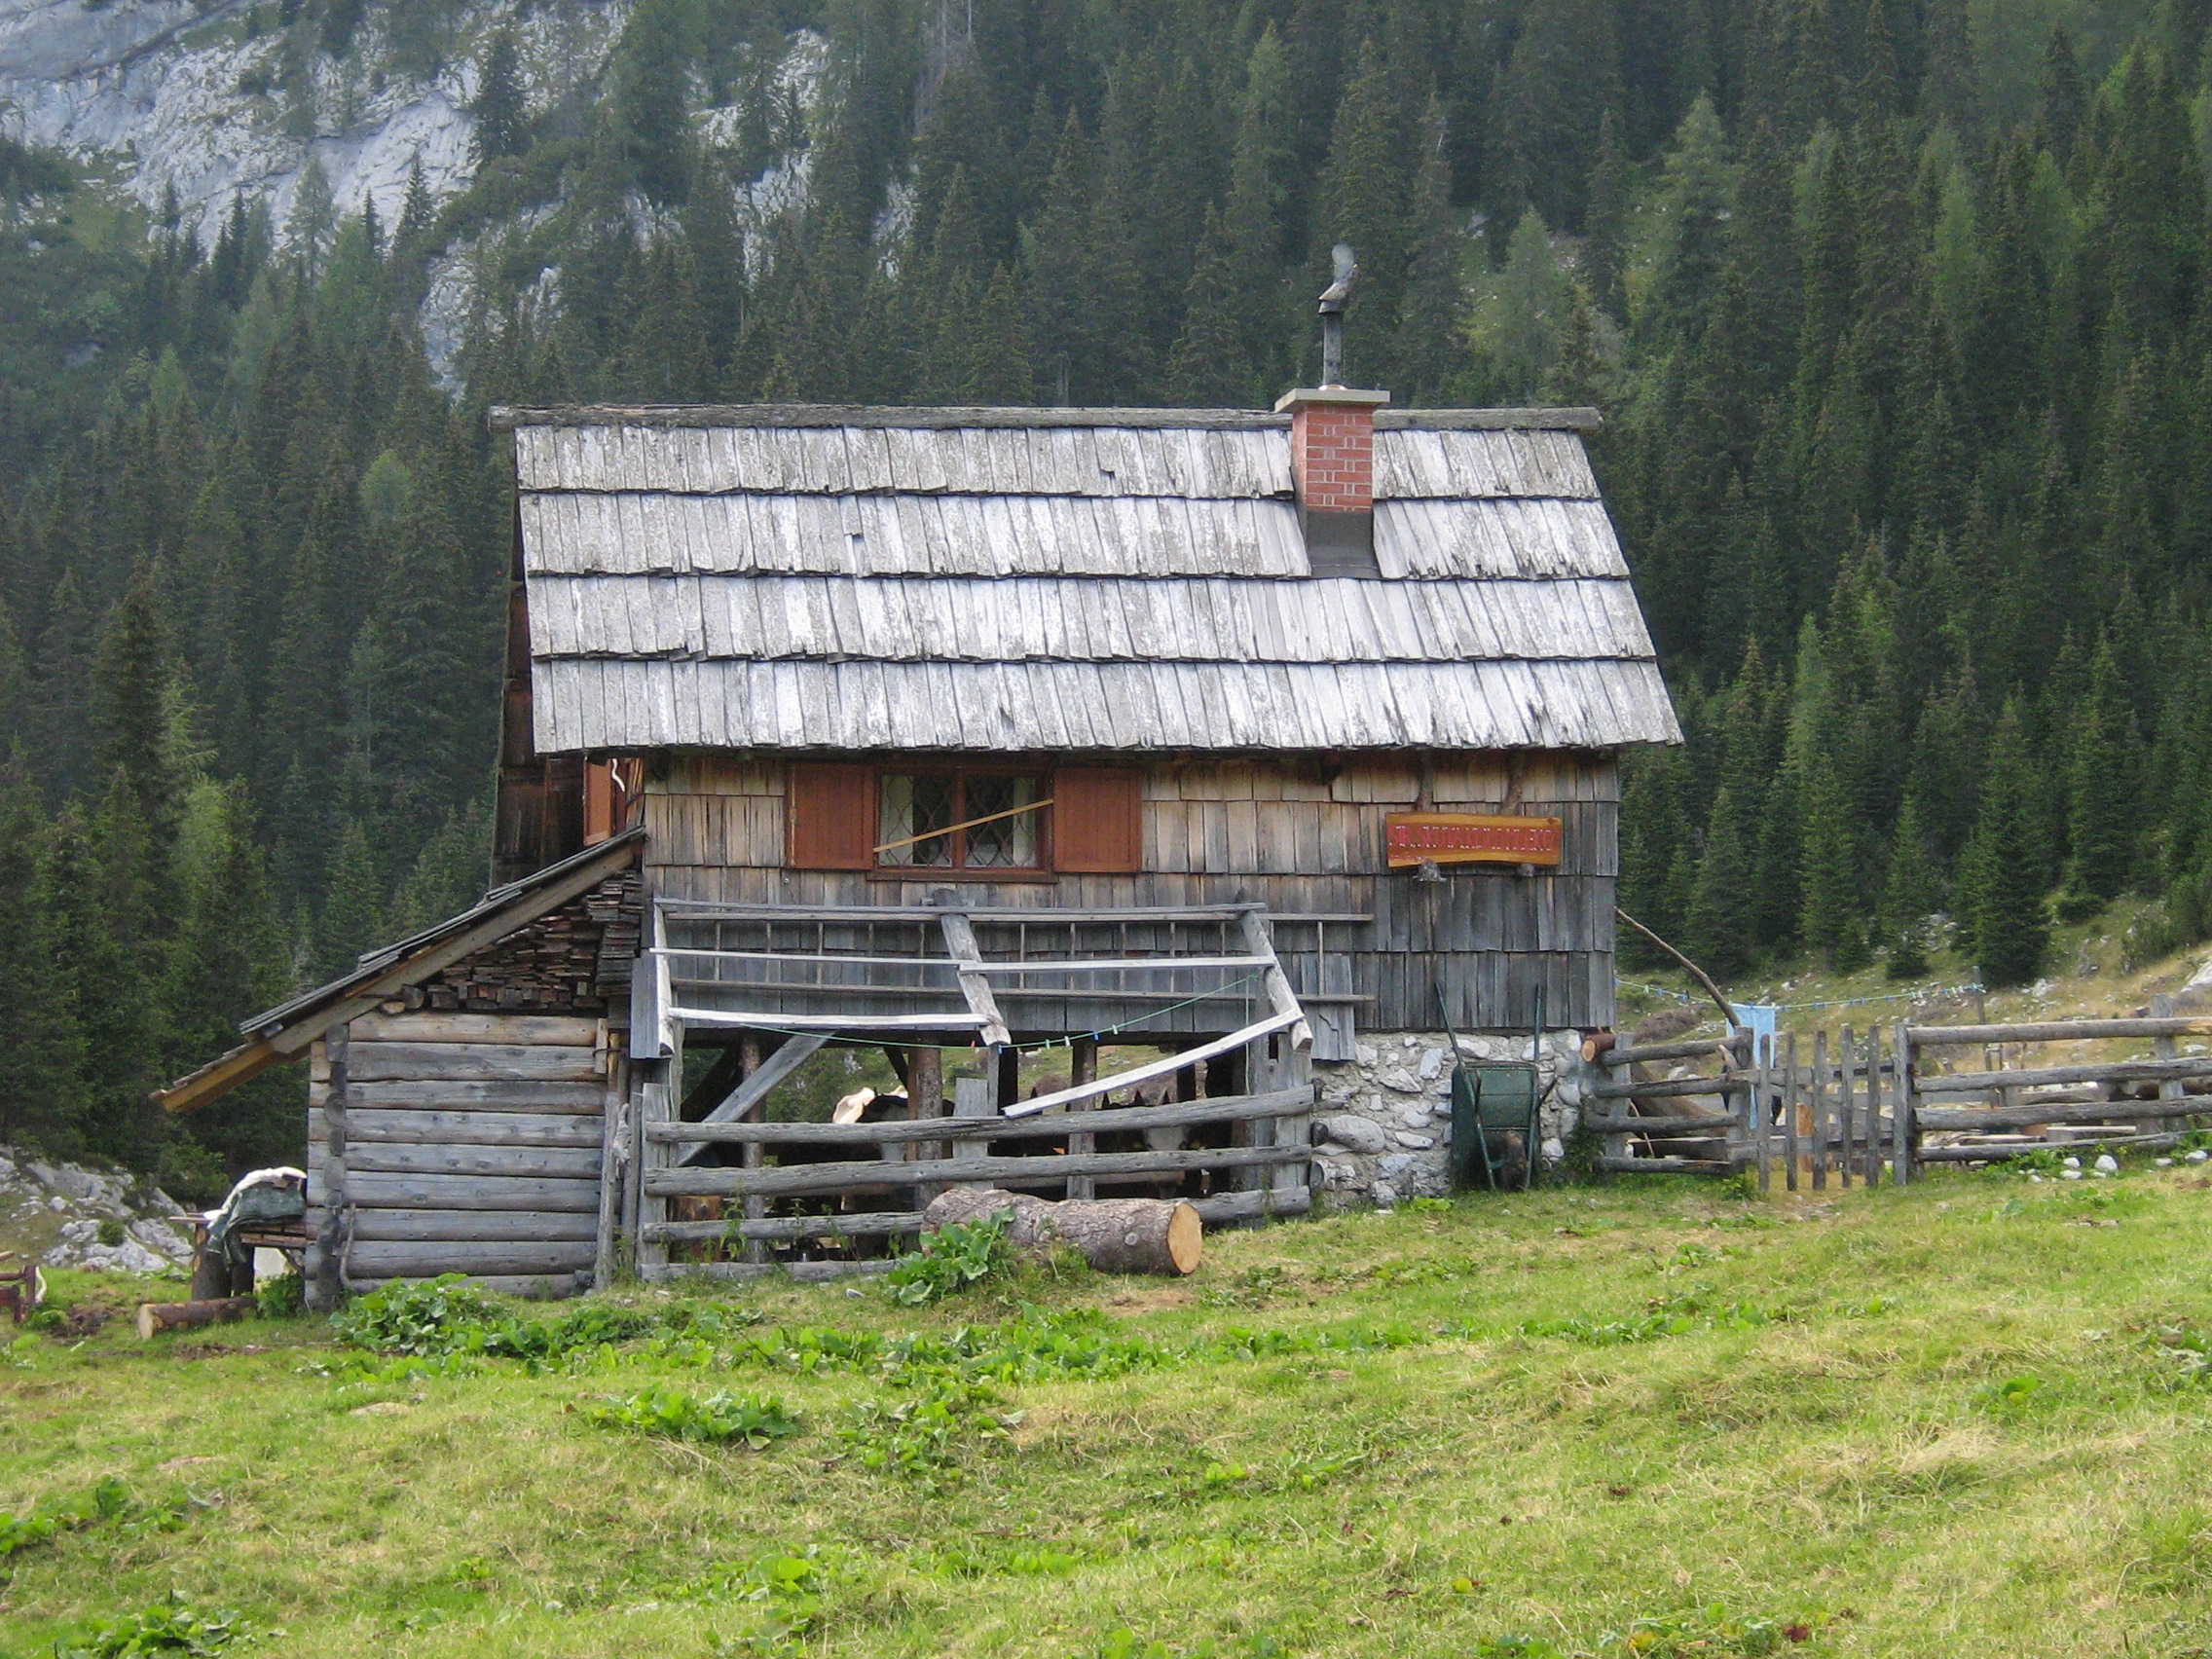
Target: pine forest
(1900, 312)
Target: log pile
(158, 1317)
(1115, 1236)
(573, 960)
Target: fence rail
(1859, 1108)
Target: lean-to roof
(835, 578)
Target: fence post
(1761, 1129)
(2165, 1048)
(1618, 1106)
(1905, 1132)
(1790, 1109)
(1735, 1065)
(1819, 1082)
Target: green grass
(1968, 1418)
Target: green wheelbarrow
(1496, 1114)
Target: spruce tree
(2006, 924)
(1911, 893)
(42, 1052)
(2101, 808)
(500, 108)
(1832, 917)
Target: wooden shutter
(1097, 820)
(830, 817)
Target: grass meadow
(1969, 1418)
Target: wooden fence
(1867, 1106)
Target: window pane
(1010, 843)
(915, 806)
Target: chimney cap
(1326, 396)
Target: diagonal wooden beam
(787, 1059)
(959, 941)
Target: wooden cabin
(1265, 745)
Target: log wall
(1301, 833)
(461, 1143)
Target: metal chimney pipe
(1332, 315)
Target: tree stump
(1115, 1236)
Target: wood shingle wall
(1305, 836)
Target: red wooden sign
(1470, 837)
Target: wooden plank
(1220, 1109)
(657, 1104)
(472, 1095)
(959, 941)
(428, 1258)
(478, 1129)
(1819, 1086)
(568, 1031)
(1846, 1103)
(1671, 1088)
(336, 1187)
(1665, 1166)
(2057, 1031)
(868, 1224)
(1259, 940)
(1665, 1128)
(407, 1226)
(2051, 1076)
(1790, 1108)
(803, 1021)
(835, 1177)
(1989, 1120)
(1123, 964)
(527, 1161)
(752, 1090)
(1152, 1068)
(1691, 1049)
(509, 1062)
(1903, 1137)
(1756, 1114)
(1225, 1208)
(379, 1191)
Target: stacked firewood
(573, 960)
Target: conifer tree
(1833, 919)
(2005, 922)
(501, 111)
(40, 1045)
(1909, 896)
(651, 98)
(2101, 811)
(1604, 241)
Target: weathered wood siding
(1304, 835)
(473, 1143)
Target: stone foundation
(1384, 1123)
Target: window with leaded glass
(960, 820)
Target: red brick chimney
(1331, 459)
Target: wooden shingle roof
(812, 579)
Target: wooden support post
(606, 1252)
(749, 1063)
(925, 1100)
(972, 1098)
(1790, 1108)
(1820, 1083)
(657, 1104)
(1006, 1063)
(1762, 1132)
(1083, 1067)
(1845, 1104)
(2165, 1048)
(333, 1234)
(1873, 1106)
(1905, 1134)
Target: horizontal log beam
(1233, 1108)
(428, 1258)
(1984, 1119)
(824, 1021)
(875, 1224)
(1669, 1088)
(1167, 1066)
(381, 1191)
(1672, 1126)
(472, 1129)
(413, 1226)
(742, 1273)
(1689, 1048)
(474, 1094)
(558, 1030)
(2055, 1031)
(510, 1062)
(2047, 1077)
(1665, 1166)
(515, 1162)
(536, 1287)
(834, 1177)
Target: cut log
(1115, 1236)
(192, 1315)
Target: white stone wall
(1384, 1123)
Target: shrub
(952, 1259)
(169, 1626)
(443, 1315)
(284, 1296)
(716, 1419)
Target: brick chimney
(1331, 459)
